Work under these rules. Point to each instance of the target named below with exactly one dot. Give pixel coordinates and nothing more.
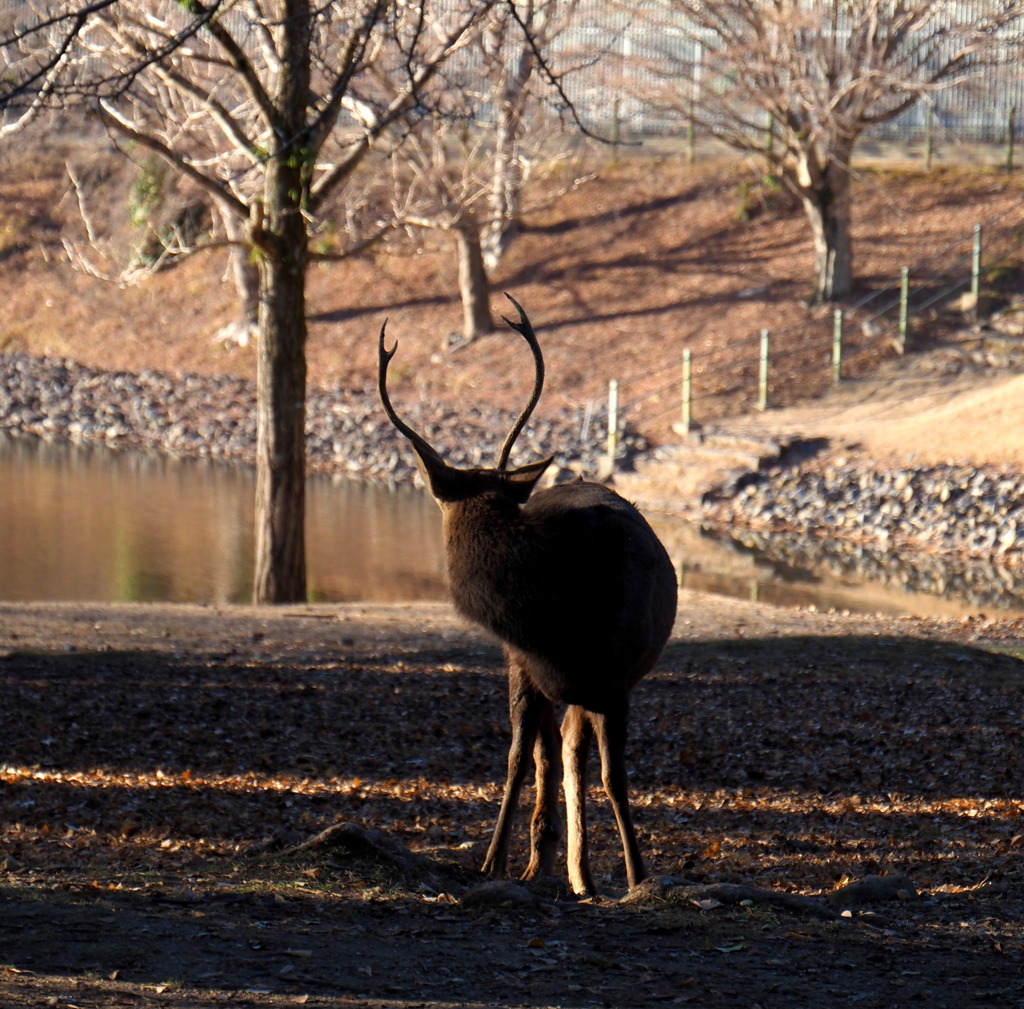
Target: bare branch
(172, 246)
(553, 79)
(108, 81)
(364, 245)
(83, 211)
(399, 106)
(350, 59)
(41, 81)
(116, 119)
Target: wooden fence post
(904, 307)
(1011, 131)
(613, 420)
(837, 346)
(929, 117)
(976, 266)
(762, 394)
(687, 391)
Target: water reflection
(90, 524)
(85, 523)
(367, 542)
(917, 582)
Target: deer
(581, 594)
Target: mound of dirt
(979, 424)
(907, 415)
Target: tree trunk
(827, 203)
(245, 276)
(506, 187)
(283, 243)
(473, 284)
(281, 398)
(507, 175)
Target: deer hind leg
(527, 708)
(546, 824)
(610, 730)
(576, 735)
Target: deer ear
(521, 481)
(441, 479)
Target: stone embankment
(215, 417)
(937, 530)
(951, 509)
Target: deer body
(572, 581)
(576, 585)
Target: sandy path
(976, 420)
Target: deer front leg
(611, 742)
(526, 710)
(546, 824)
(576, 735)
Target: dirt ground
(906, 414)
(161, 764)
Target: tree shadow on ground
(206, 745)
(145, 795)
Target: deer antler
(383, 360)
(522, 326)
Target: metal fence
(608, 60)
(604, 58)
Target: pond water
(91, 524)
(85, 523)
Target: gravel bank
(951, 531)
(963, 510)
(215, 417)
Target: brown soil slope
(619, 274)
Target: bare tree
(464, 173)
(250, 102)
(802, 80)
(511, 42)
(437, 184)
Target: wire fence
(604, 56)
(612, 56)
(775, 368)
